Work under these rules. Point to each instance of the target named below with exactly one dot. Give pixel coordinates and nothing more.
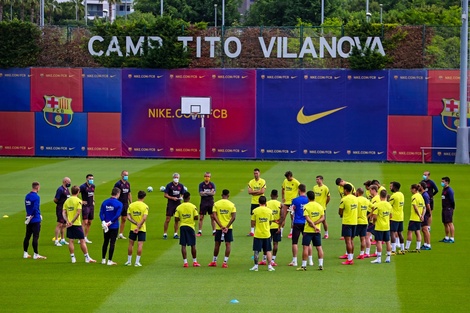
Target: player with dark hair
(32, 203)
(87, 191)
(125, 197)
(186, 214)
(256, 188)
(137, 214)
(322, 196)
(416, 217)
(72, 215)
(341, 183)
(61, 195)
(397, 200)
(363, 207)
(431, 188)
(448, 207)
(381, 218)
(275, 206)
(348, 213)
(314, 216)
(223, 215)
(207, 192)
(110, 212)
(261, 220)
(427, 216)
(290, 190)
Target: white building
(97, 8)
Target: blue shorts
(75, 232)
(348, 231)
(314, 238)
(140, 236)
(228, 237)
(382, 235)
(413, 225)
(447, 215)
(370, 228)
(396, 226)
(187, 236)
(361, 230)
(425, 221)
(276, 237)
(263, 244)
(88, 212)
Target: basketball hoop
(194, 116)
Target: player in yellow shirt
(397, 200)
(276, 226)
(416, 217)
(71, 212)
(290, 190)
(364, 206)
(314, 215)
(322, 196)
(374, 193)
(381, 217)
(223, 215)
(341, 183)
(186, 214)
(261, 220)
(256, 188)
(137, 214)
(348, 212)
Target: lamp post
(86, 12)
(161, 8)
(215, 16)
(381, 8)
(41, 23)
(322, 11)
(223, 13)
(368, 14)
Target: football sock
(408, 244)
(418, 245)
(320, 262)
(304, 263)
(226, 259)
(137, 259)
(214, 259)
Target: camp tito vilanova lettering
(274, 47)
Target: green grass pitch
(432, 281)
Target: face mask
(176, 180)
(443, 184)
(425, 177)
(67, 185)
(125, 177)
(90, 181)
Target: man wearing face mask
(87, 190)
(62, 194)
(125, 198)
(207, 192)
(431, 188)
(448, 206)
(173, 192)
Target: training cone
(234, 301)
(5, 216)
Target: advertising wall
(285, 114)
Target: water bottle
(222, 237)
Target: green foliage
(444, 52)
(20, 44)
(169, 55)
(367, 59)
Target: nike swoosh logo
(380, 152)
(159, 76)
(243, 77)
(304, 119)
(336, 152)
(159, 150)
(243, 151)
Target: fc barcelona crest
(450, 114)
(58, 111)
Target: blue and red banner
(17, 133)
(408, 92)
(101, 90)
(14, 89)
(104, 135)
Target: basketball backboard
(199, 105)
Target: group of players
(365, 212)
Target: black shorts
(253, 206)
(447, 215)
(140, 236)
(125, 206)
(276, 237)
(262, 244)
(314, 238)
(425, 221)
(88, 212)
(361, 230)
(171, 209)
(228, 236)
(205, 209)
(396, 226)
(187, 236)
(370, 228)
(381, 235)
(75, 232)
(296, 231)
(348, 230)
(413, 225)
